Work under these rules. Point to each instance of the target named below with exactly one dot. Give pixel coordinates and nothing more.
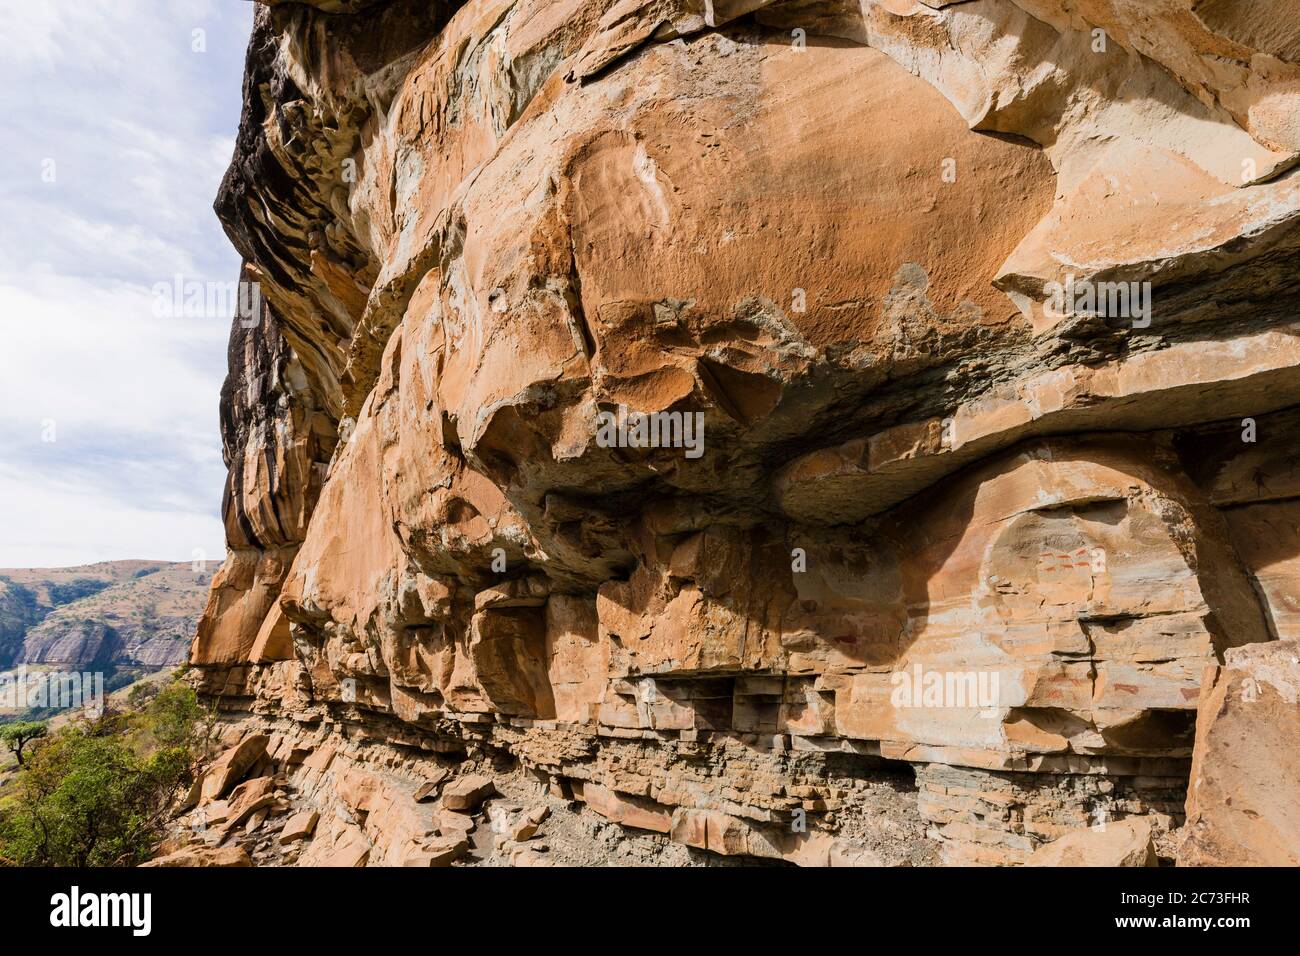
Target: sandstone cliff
(987, 310)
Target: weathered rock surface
(299, 826)
(1241, 804)
(467, 793)
(1126, 843)
(204, 856)
(231, 766)
(986, 311)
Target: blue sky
(119, 120)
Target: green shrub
(173, 718)
(100, 793)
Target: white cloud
(93, 353)
(60, 527)
(140, 128)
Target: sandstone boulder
(231, 766)
(247, 801)
(441, 851)
(432, 785)
(227, 856)
(525, 827)
(1123, 843)
(350, 849)
(467, 793)
(455, 823)
(627, 809)
(299, 826)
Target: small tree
(18, 735)
(88, 799)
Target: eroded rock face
(976, 326)
(1241, 806)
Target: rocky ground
(340, 794)
(289, 804)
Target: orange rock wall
(939, 521)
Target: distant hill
(136, 614)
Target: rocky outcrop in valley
(138, 614)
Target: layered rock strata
(970, 332)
